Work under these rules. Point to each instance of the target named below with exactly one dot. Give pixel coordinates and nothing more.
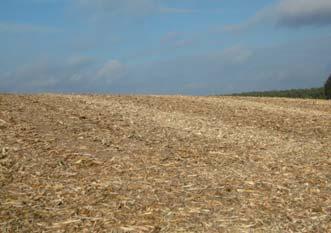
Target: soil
(106, 163)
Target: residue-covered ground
(97, 163)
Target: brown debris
(3, 124)
(92, 163)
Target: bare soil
(97, 163)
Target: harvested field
(93, 163)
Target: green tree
(327, 88)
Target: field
(93, 163)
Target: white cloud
(111, 71)
(76, 73)
(80, 60)
(294, 65)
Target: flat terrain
(92, 163)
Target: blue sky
(195, 47)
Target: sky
(191, 47)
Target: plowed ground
(93, 163)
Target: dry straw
(72, 163)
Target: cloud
(175, 40)
(265, 15)
(237, 54)
(34, 76)
(111, 71)
(299, 64)
(296, 13)
(72, 74)
(289, 13)
(79, 61)
(48, 75)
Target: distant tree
(327, 88)
(312, 93)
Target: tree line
(311, 93)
